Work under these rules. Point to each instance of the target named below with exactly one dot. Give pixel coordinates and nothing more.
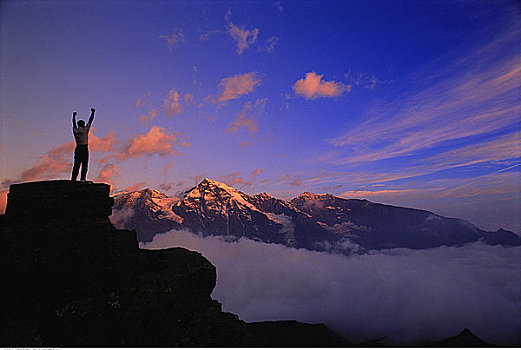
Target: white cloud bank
(406, 295)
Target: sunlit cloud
(238, 85)
(135, 187)
(479, 186)
(473, 95)
(206, 35)
(244, 38)
(247, 119)
(256, 172)
(506, 147)
(103, 144)
(172, 103)
(245, 144)
(53, 163)
(234, 180)
(297, 181)
(312, 87)
(151, 114)
(144, 100)
(106, 173)
(173, 40)
(269, 46)
(189, 98)
(157, 141)
(165, 169)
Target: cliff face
(71, 279)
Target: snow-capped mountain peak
(311, 221)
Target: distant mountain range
(321, 222)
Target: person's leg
(76, 167)
(84, 163)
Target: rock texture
(72, 280)
(320, 222)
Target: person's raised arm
(74, 119)
(92, 110)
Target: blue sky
(401, 102)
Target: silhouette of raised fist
(74, 113)
(92, 110)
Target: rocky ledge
(72, 280)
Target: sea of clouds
(406, 295)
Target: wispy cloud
(151, 114)
(256, 172)
(279, 6)
(134, 187)
(172, 104)
(173, 40)
(165, 169)
(238, 85)
(106, 173)
(469, 96)
(312, 87)
(53, 163)
(234, 180)
(478, 187)
(157, 141)
(243, 37)
(247, 118)
(269, 46)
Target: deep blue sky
(402, 102)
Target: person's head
(81, 123)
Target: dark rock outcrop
(72, 280)
(282, 334)
(466, 339)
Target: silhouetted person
(81, 153)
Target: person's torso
(81, 134)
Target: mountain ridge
(322, 222)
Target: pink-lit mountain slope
(312, 221)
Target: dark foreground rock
(294, 334)
(70, 279)
(466, 339)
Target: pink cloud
(256, 172)
(247, 119)
(152, 113)
(189, 98)
(173, 40)
(172, 103)
(103, 144)
(242, 37)
(55, 162)
(234, 180)
(233, 87)
(270, 44)
(165, 169)
(157, 141)
(106, 173)
(296, 181)
(134, 187)
(313, 87)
